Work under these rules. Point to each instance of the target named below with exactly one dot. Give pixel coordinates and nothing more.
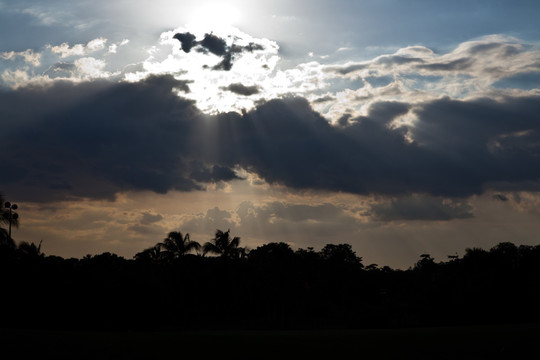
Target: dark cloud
(241, 89)
(97, 138)
(225, 64)
(384, 112)
(251, 47)
(323, 99)
(344, 120)
(458, 148)
(213, 173)
(346, 69)
(393, 60)
(218, 46)
(487, 141)
(530, 185)
(421, 208)
(511, 50)
(187, 40)
(500, 197)
(285, 141)
(385, 61)
(481, 48)
(459, 64)
(148, 218)
(214, 44)
(506, 49)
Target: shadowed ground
(475, 342)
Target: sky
(401, 128)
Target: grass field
(481, 342)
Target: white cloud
(416, 73)
(64, 50)
(411, 74)
(208, 86)
(20, 77)
(29, 56)
(15, 78)
(81, 69)
(113, 48)
(484, 61)
(90, 67)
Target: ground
(475, 342)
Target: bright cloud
(252, 62)
(64, 50)
(113, 48)
(29, 56)
(412, 74)
(90, 67)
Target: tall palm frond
(176, 245)
(223, 245)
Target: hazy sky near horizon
(398, 127)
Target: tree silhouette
(275, 287)
(425, 262)
(30, 250)
(5, 240)
(175, 245)
(151, 255)
(341, 253)
(506, 255)
(223, 245)
(372, 267)
(4, 214)
(272, 252)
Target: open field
(477, 342)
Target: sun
(214, 17)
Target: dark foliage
(270, 287)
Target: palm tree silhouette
(5, 240)
(152, 255)
(223, 245)
(4, 214)
(175, 245)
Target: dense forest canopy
(181, 284)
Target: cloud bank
(97, 138)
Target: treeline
(176, 285)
